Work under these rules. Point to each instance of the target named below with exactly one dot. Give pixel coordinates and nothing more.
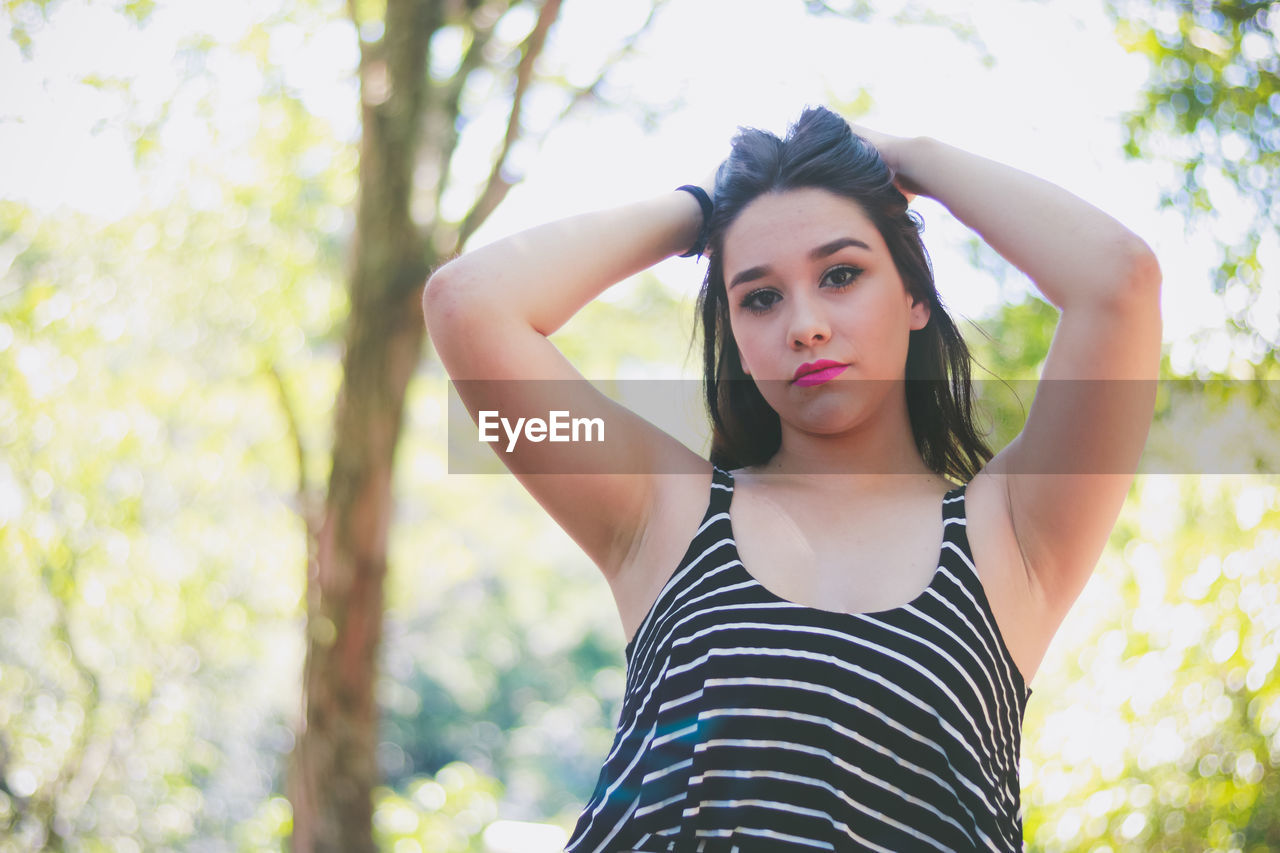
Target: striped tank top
(752, 723)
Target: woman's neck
(880, 450)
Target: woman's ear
(920, 314)
(742, 360)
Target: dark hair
(820, 150)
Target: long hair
(820, 150)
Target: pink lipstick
(818, 372)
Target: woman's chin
(827, 417)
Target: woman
(833, 621)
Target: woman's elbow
(443, 298)
(1129, 278)
(1142, 275)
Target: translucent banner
(580, 427)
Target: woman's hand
(893, 151)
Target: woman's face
(817, 307)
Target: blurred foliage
(131, 441)
(1008, 350)
(1156, 719)
(1211, 109)
(148, 549)
(513, 664)
(28, 16)
(444, 814)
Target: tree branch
(290, 411)
(452, 103)
(591, 91)
(911, 14)
(497, 186)
(74, 762)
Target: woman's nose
(808, 326)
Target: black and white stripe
(754, 723)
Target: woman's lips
(818, 372)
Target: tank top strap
(956, 532)
(721, 492)
(955, 522)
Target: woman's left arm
(1076, 254)
(1067, 473)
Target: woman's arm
(1066, 475)
(489, 313)
(543, 276)
(1076, 254)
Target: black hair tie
(704, 200)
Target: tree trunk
(406, 120)
(334, 768)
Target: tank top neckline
(722, 488)
(953, 532)
(726, 502)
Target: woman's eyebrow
(835, 246)
(753, 273)
(749, 274)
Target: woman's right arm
(489, 313)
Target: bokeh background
(244, 606)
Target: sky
(1041, 86)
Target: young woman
(831, 622)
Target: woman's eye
(841, 276)
(759, 301)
